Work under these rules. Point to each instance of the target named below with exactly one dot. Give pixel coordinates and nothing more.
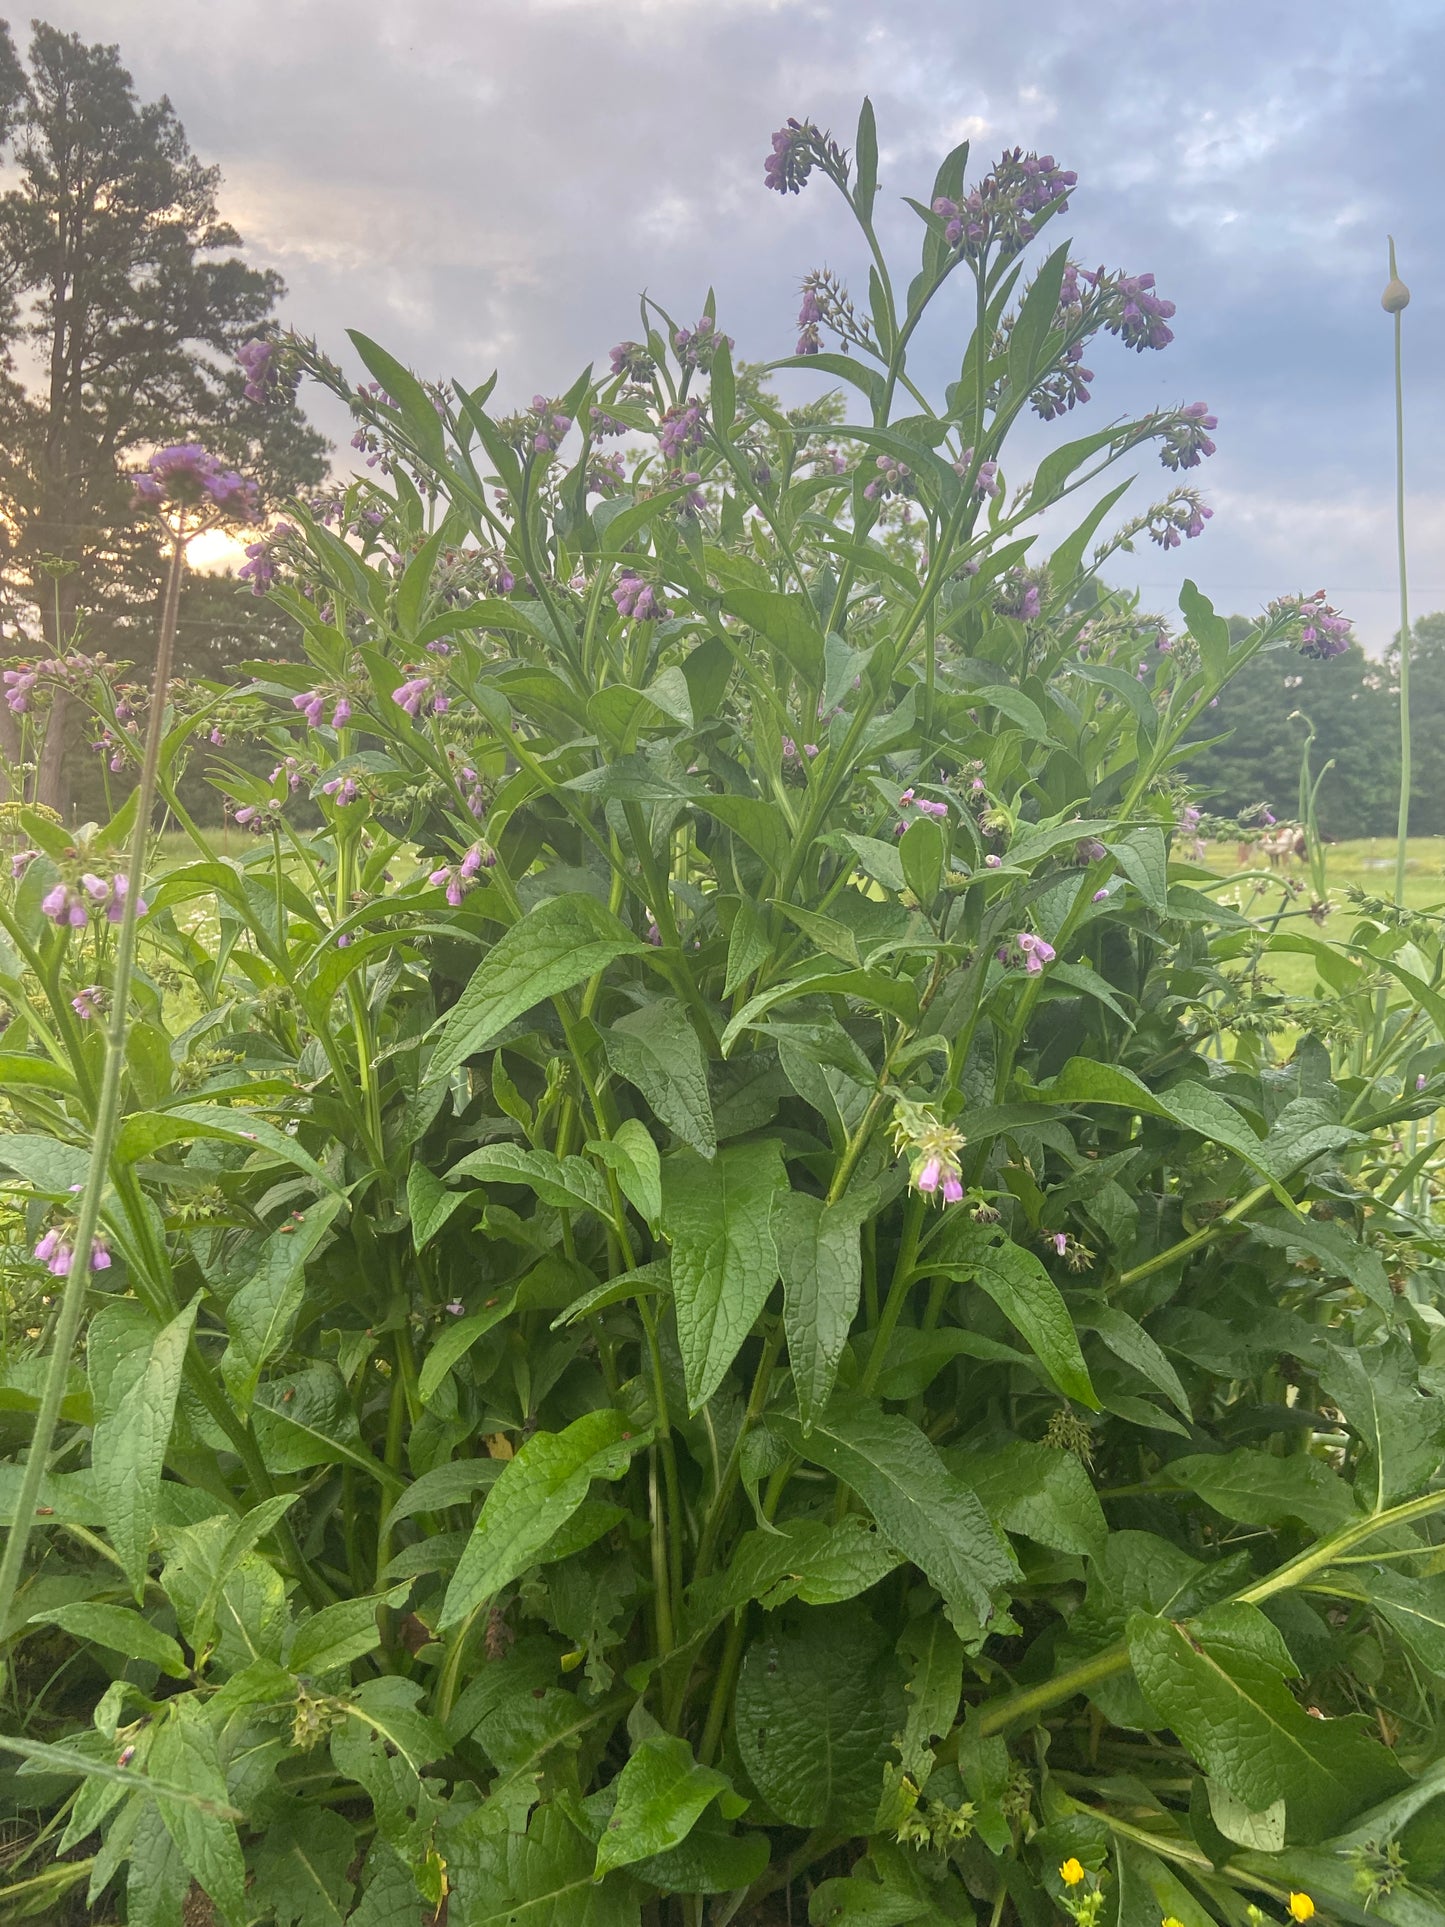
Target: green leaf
(821, 1262)
(814, 1713)
(722, 389)
(413, 404)
(544, 1877)
(921, 854)
(301, 1868)
(121, 1630)
(260, 1317)
(661, 1794)
(1260, 1490)
(569, 1184)
(1128, 1340)
(1040, 1492)
(1144, 859)
(935, 1686)
(712, 1860)
(787, 621)
(657, 1051)
(1209, 630)
(801, 1559)
(560, 944)
(429, 1203)
(881, 860)
(1083, 1080)
(631, 1154)
(536, 1494)
(921, 1507)
(865, 161)
(1025, 1294)
(830, 936)
(1401, 1429)
(1338, 1250)
(455, 1341)
(144, 1133)
(718, 1219)
(128, 1448)
(338, 1634)
(1220, 1684)
(758, 823)
(1414, 1608)
(184, 1753)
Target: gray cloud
(491, 182)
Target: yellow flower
(1071, 1873)
(1301, 1907)
(1171, 1920)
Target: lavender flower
(986, 481)
(66, 907)
(810, 318)
(636, 599)
(549, 425)
(1036, 953)
(696, 346)
(19, 683)
(681, 430)
(999, 211)
(258, 363)
(1186, 441)
(894, 478)
(933, 1151)
(20, 862)
(787, 168)
(185, 476)
(633, 362)
(455, 1307)
(411, 695)
(342, 789)
(88, 1003)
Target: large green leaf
(1219, 1682)
(119, 1629)
(820, 1258)
(1040, 1492)
(128, 1447)
(815, 1712)
(922, 1508)
(536, 1494)
(1401, 1430)
(718, 1219)
(544, 1877)
(1259, 1489)
(1024, 1293)
(560, 944)
(339, 1633)
(661, 1794)
(260, 1316)
(1194, 1107)
(657, 1050)
(184, 1752)
(1413, 1608)
(301, 1867)
(571, 1184)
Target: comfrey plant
(699, 1329)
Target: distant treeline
(1352, 703)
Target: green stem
(107, 1116)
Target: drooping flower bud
(1396, 297)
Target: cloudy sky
(483, 183)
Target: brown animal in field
(1287, 842)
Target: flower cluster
(1323, 631)
(69, 905)
(696, 346)
(826, 303)
(1181, 514)
(893, 478)
(602, 424)
(1075, 1253)
(343, 790)
(810, 320)
(1001, 209)
(637, 599)
(799, 146)
(932, 1149)
(681, 430)
(57, 1247)
(258, 818)
(1066, 386)
(419, 693)
(923, 804)
(1018, 596)
(258, 363)
(260, 566)
(986, 481)
(548, 425)
(185, 476)
(632, 362)
(312, 704)
(1186, 436)
(70, 671)
(457, 878)
(1026, 949)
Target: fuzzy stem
(1403, 832)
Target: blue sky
(491, 182)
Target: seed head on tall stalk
(192, 492)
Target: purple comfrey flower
(1324, 632)
(681, 430)
(633, 362)
(1129, 308)
(1185, 437)
(66, 907)
(636, 599)
(696, 346)
(291, 769)
(986, 481)
(258, 363)
(549, 425)
(89, 1003)
(1017, 597)
(19, 683)
(1189, 818)
(455, 1307)
(342, 790)
(1036, 953)
(998, 210)
(894, 478)
(653, 936)
(810, 318)
(185, 476)
(933, 1151)
(20, 862)
(604, 424)
(795, 145)
(312, 704)
(112, 897)
(606, 474)
(1089, 850)
(412, 694)
(992, 862)
(1059, 1240)
(1101, 896)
